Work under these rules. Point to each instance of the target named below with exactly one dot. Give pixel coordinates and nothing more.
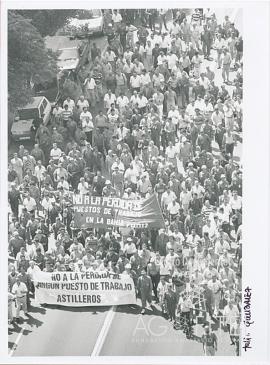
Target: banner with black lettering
(81, 289)
(95, 211)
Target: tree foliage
(46, 21)
(72, 89)
(28, 59)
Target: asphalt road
(102, 331)
(105, 331)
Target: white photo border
(256, 185)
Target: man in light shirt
(70, 103)
(173, 209)
(83, 187)
(171, 153)
(20, 290)
(236, 202)
(55, 153)
(219, 45)
(217, 116)
(109, 99)
(135, 82)
(172, 60)
(122, 101)
(29, 203)
(231, 314)
(82, 103)
(131, 176)
(167, 197)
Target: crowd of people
(157, 116)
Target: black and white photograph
(125, 200)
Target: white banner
(82, 289)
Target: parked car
(25, 123)
(86, 22)
(72, 53)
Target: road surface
(101, 331)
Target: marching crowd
(151, 120)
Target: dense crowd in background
(151, 120)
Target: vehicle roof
(60, 42)
(36, 100)
(69, 54)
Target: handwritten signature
(247, 318)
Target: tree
(72, 89)
(46, 21)
(28, 60)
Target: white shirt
(173, 208)
(47, 204)
(131, 175)
(231, 314)
(85, 115)
(128, 55)
(31, 271)
(130, 248)
(185, 197)
(161, 59)
(63, 184)
(190, 110)
(56, 153)
(236, 203)
(214, 286)
(204, 82)
(171, 152)
(19, 290)
(172, 59)
(81, 104)
(90, 84)
(70, 104)
(109, 99)
(83, 188)
(166, 198)
(29, 204)
(39, 171)
(117, 18)
(87, 125)
(122, 101)
(145, 79)
(200, 104)
(57, 111)
(198, 190)
(142, 102)
(175, 115)
(165, 43)
(217, 118)
(135, 82)
(120, 166)
(219, 44)
(134, 99)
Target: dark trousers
(89, 136)
(229, 147)
(186, 69)
(155, 280)
(206, 49)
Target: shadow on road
(33, 322)
(136, 309)
(40, 310)
(93, 310)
